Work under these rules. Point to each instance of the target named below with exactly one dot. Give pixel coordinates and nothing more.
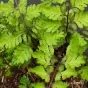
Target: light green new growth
(37, 85)
(41, 72)
(74, 57)
(84, 73)
(60, 84)
(68, 73)
(80, 4)
(81, 19)
(59, 1)
(21, 54)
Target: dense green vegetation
(31, 34)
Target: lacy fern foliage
(31, 35)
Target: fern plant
(35, 31)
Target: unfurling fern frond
(53, 13)
(8, 40)
(32, 12)
(21, 54)
(81, 19)
(80, 4)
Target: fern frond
(80, 4)
(42, 58)
(3, 29)
(8, 40)
(46, 2)
(47, 25)
(46, 48)
(84, 73)
(41, 72)
(21, 54)
(45, 52)
(81, 19)
(6, 8)
(59, 1)
(53, 13)
(52, 39)
(60, 84)
(74, 53)
(22, 6)
(68, 73)
(77, 62)
(32, 13)
(37, 85)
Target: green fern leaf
(53, 13)
(22, 86)
(41, 72)
(32, 13)
(21, 54)
(13, 18)
(47, 25)
(3, 29)
(22, 6)
(68, 73)
(84, 73)
(81, 19)
(10, 41)
(37, 85)
(46, 49)
(59, 1)
(40, 57)
(43, 56)
(74, 53)
(60, 84)
(8, 7)
(76, 62)
(24, 80)
(52, 39)
(80, 4)
(58, 76)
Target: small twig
(67, 25)
(32, 77)
(74, 82)
(53, 76)
(2, 79)
(16, 2)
